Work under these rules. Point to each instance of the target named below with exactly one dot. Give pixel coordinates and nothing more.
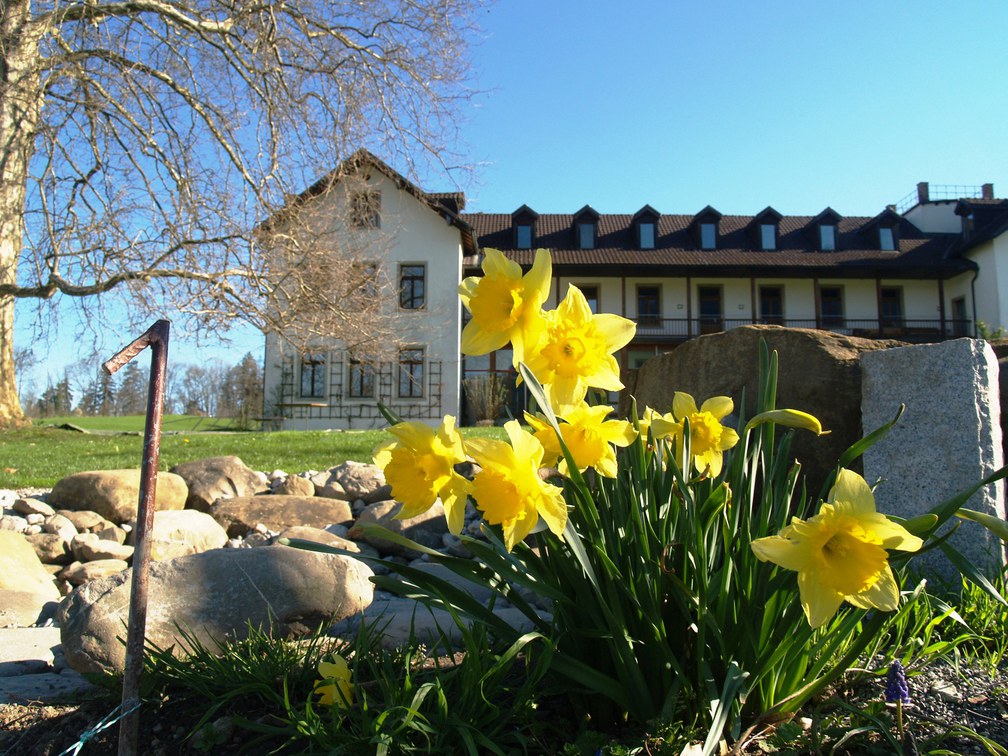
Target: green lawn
(39, 456)
(127, 423)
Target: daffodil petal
(819, 601)
(719, 406)
(883, 594)
(853, 493)
(683, 405)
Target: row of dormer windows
(706, 235)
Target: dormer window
(523, 222)
(887, 238)
(768, 236)
(762, 230)
(827, 237)
(708, 236)
(585, 227)
(704, 228)
(523, 236)
(646, 232)
(645, 225)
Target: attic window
(365, 209)
(646, 234)
(887, 239)
(586, 235)
(768, 236)
(523, 236)
(708, 236)
(827, 237)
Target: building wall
(410, 233)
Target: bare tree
(142, 140)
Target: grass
(39, 456)
(135, 423)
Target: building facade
(926, 270)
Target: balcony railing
(911, 330)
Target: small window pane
(524, 236)
(362, 379)
(887, 239)
(586, 235)
(412, 286)
(708, 236)
(647, 235)
(313, 375)
(768, 236)
(411, 377)
(827, 237)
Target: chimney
(987, 191)
(922, 192)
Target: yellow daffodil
(709, 439)
(419, 465)
(506, 306)
(508, 488)
(840, 554)
(789, 417)
(588, 435)
(335, 687)
(575, 349)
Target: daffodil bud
(789, 417)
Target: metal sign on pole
(156, 338)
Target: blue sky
(739, 105)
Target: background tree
(141, 141)
(242, 394)
(131, 394)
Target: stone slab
(948, 439)
(48, 687)
(29, 650)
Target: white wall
(410, 233)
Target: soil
(942, 698)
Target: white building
(925, 273)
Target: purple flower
(897, 690)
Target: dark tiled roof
(797, 253)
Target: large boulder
(240, 515)
(183, 532)
(114, 494)
(819, 372)
(214, 478)
(213, 595)
(26, 587)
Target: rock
(114, 494)
(78, 573)
(26, 588)
(117, 534)
(214, 595)
(952, 424)
(819, 373)
(61, 526)
(214, 478)
(361, 481)
(28, 650)
(183, 532)
(13, 524)
(427, 528)
(85, 520)
(51, 548)
(240, 515)
(32, 506)
(295, 485)
(318, 535)
(88, 547)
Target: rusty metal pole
(157, 338)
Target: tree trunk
(20, 104)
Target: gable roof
(446, 204)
